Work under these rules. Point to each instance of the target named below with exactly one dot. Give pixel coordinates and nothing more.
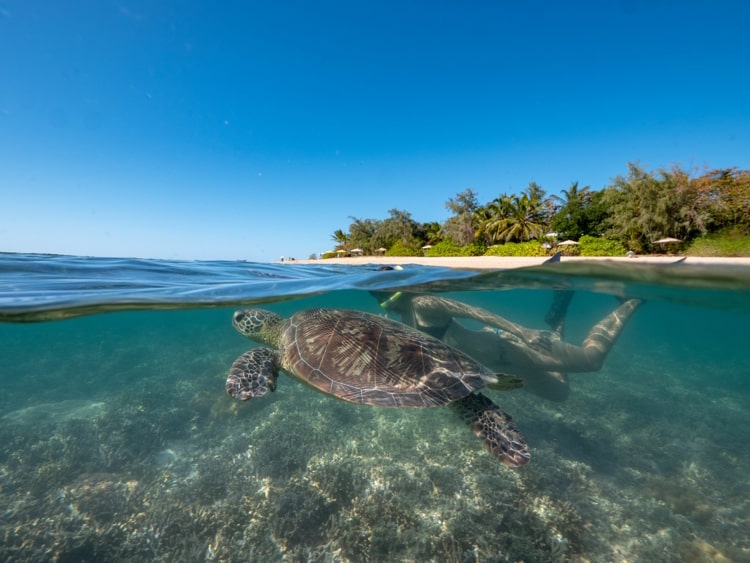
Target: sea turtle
(365, 358)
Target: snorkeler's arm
(434, 310)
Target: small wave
(42, 288)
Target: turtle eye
(242, 321)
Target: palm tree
(432, 233)
(573, 195)
(525, 220)
(492, 219)
(340, 238)
(514, 218)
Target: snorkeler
(540, 357)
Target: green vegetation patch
(448, 247)
(594, 246)
(726, 243)
(529, 248)
(636, 209)
(400, 248)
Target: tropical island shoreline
(510, 262)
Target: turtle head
(259, 325)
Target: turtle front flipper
(253, 374)
(505, 382)
(500, 434)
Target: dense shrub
(530, 248)
(401, 249)
(725, 243)
(593, 246)
(448, 247)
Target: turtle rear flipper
(500, 434)
(253, 374)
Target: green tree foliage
(461, 226)
(596, 214)
(725, 194)
(399, 227)
(633, 212)
(577, 215)
(645, 208)
(362, 232)
(545, 207)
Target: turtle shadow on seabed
(595, 451)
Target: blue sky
(251, 130)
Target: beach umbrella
(426, 246)
(662, 242)
(341, 251)
(381, 250)
(567, 243)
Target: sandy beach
(509, 262)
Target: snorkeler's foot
(497, 430)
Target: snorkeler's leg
(561, 299)
(558, 310)
(603, 334)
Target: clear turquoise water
(118, 442)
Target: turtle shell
(364, 358)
